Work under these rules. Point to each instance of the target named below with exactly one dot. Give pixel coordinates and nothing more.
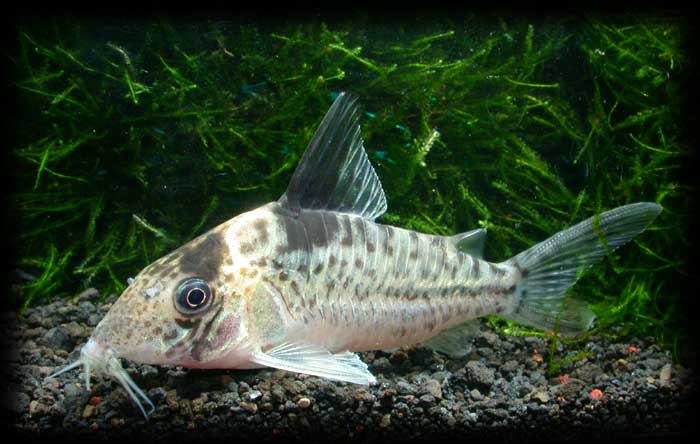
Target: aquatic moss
(133, 139)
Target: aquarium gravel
(504, 387)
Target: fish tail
(549, 268)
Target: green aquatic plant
(134, 139)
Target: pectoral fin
(314, 360)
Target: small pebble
(433, 388)
(253, 395)
(249, 406)
(386, 421)
(665, 375)
(541, 396)
(88, 411)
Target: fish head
(179, 310)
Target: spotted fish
(301, 283)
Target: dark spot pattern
(159, 267)
(415, 243)
(169, 336)
(187, 339)
(359, 227)
(314, 223)
(475, 269)
(204, 259)
(202, 343)
(295, 234)
(186, 323)
(347, 231)
(455, 290)
(442, 299)
(260, 226)
(332, 225)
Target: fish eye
(193, 296)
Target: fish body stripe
(365, 285)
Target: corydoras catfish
(301, 283)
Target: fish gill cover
(132, 139)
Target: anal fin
(455, 341)
(315, 360)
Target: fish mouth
(103, 360)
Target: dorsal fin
(334, 173)
(471, 242)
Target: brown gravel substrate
(501, 390)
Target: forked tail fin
(551, 267)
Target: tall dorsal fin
(334, 173)
(471, 242)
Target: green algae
(134, 139)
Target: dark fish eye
(193, 296)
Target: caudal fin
(551, 267)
